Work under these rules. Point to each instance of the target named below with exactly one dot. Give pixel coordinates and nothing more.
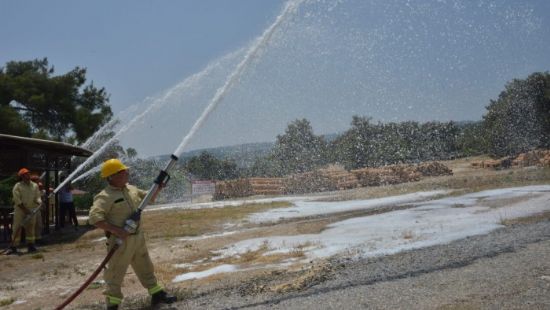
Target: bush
(83, 202)
(6, 186)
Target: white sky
(427, 223)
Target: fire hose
(130, 226)
(90, 279)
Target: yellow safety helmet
(112, 166)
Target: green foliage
(265, 166)
(519, 120)
(83, 202)
(206, 166)
(33, 100)
(131, 153)
(6, 186)
(472, 139)
(11, 123)
(371, 145)
(298, 149)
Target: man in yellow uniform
(111, 207)
(26, 198)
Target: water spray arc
(163, 177)
(103, 147)
(157, 103)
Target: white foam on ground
(227, 269)
(233, 203)
(304, 208)
(430, 223)
(205, 273)
(223, 234)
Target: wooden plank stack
(527, 159)
(328, 179)
(545, 161)
(339, 177)
(386, 175)
(308, 182)
(249, 187)
(232, 189)
(432, 169)
(267, 186)
(532, 158)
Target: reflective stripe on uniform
(155, 289)
(114, 300)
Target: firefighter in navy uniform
(111, 207)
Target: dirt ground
(44, 279)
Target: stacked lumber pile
(433, 169)
(477, 164)
(249, 187)
(339, 177)
(308, 182)
(532, 158)
(328, 179)
(489, 163)
(505, 162)
(387, 175)
(545, 161)
(267, 186)
(232, 189)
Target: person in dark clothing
(66, 205)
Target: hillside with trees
(36, 103)
(518, 121)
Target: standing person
(66, 204)
(26, 198)
(111, 207)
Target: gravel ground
(506, 269)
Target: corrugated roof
(51, 146)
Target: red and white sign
(200, 187)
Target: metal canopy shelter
(39, 156)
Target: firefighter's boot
(31, 248)
(162, 298)
(12, 251)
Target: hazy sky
(390, 60)
(132, 48)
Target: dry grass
(6, 302)
(499, 203)
(37, 256)
(407, 234)
(312, 227)
(180, 223)
(314, 275)
(544, 216)
(466, 181)
(259, 257)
